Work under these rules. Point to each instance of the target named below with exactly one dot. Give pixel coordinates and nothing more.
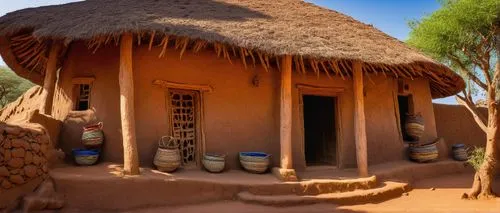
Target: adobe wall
(237, 115)
(456, 125)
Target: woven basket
(414, 126)
(93, 136)
(86, 157)
(254, 162)
(459, 152)
(167, 157)
(214, 163)
(424, 153)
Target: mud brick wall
(23, 154)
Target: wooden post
(49, 83)
(126, 81)
(286, 112)
(359, 119)
(286, 172)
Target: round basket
(93, 136)
(459, 152)
(414, 126)
(424, 153)
(214, 163)
(254, 162)
(85, 157)
(167, 157)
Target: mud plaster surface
(237, 115)
(445, 198)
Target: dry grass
(277, 27)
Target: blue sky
(390, 16)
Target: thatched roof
(274, 27)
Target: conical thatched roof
(274, 27)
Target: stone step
(386, 191)
(315, 186)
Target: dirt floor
(440, 194)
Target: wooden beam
(169, 84)
(126, 81)
(286, 112)
(49, 82)
(359, 119)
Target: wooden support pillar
(359, 119)
(126, 81)
(286, 172)
(49, 82)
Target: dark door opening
(405, 107)
(319, 125)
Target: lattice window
(83, 99)
(183, 122)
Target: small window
(82, 88)
(83, 99)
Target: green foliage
(476, 157)
(11, 86)
(457, 30)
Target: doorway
(405, 103)
(184, 123)
(320, 137)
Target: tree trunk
(481, 188)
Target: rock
(39, 172)
(7, 155)
(45, 168)
(35, 147)
(7, 144)
(12, 130)
(17, 179)
(18, 152)
(4, 172)
(14, 171)
(6, 184)
(28, 157)
(405, 194)
(18, 143)
(432, 189)
(56, 202)
(30, 171)
(16, 162)
(37, 160)
(1, 138)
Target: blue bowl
(85, 152)
(254, 154)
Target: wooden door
(184, 118)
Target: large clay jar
(168, 157)
(414, 126)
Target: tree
(11, 86)
(465, 35)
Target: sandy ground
(440, 194)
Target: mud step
(315, 186)
(386, 191)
